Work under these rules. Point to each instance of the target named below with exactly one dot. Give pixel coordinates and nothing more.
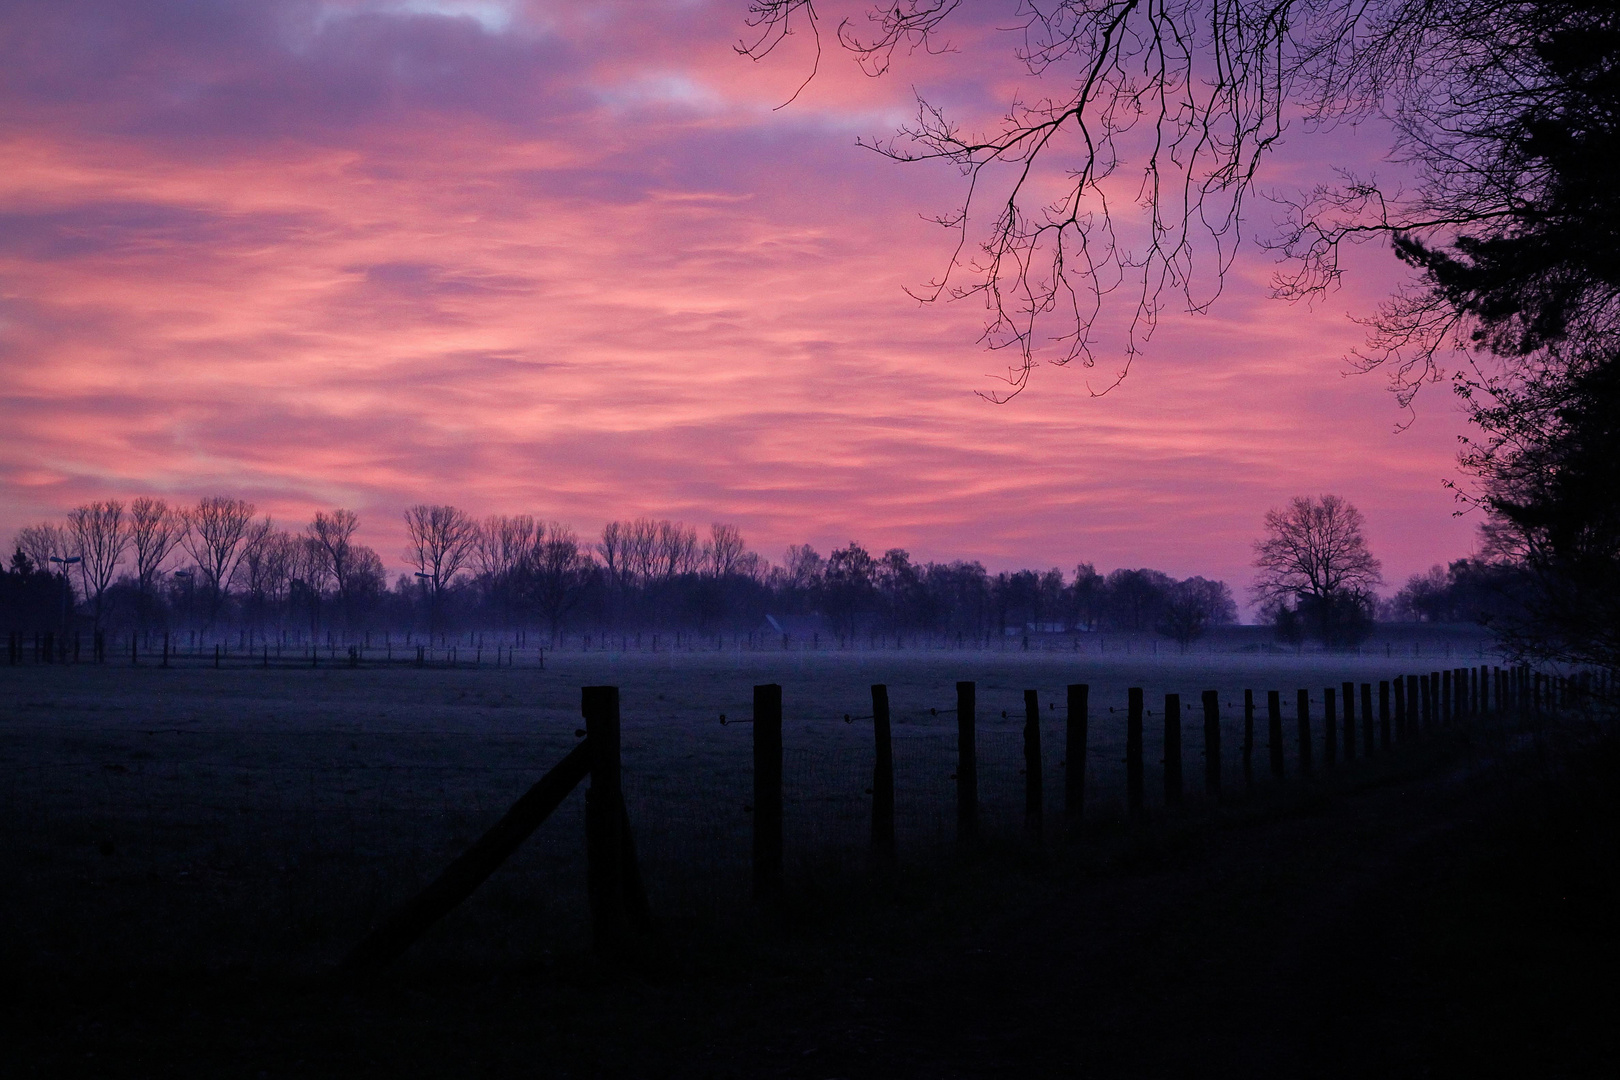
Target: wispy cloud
(569, 261)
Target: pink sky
(568, 260)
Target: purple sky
(569, 260)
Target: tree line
(217, 566)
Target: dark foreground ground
(1449, 914)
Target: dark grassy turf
(1450, 912)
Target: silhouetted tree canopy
(1134, 134)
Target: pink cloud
(582, 269)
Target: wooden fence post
(1033, 809)
(1274, 735)
(767, 792)
(967, 761)
(1427, 713)
(1302, 712)
(1415, 698)
(1212, 744)
(1383, 713)
(1074, 756)
(1443, 678)
(1330, 727)
(883, 845)
(1349, 690)
(1172, 750)
(1133, 751)
(604, 823)
(1399, 686)
(1367, 733)
(1248, 739)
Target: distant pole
(883, 845)
(967, 762)
(1172, 750)
(1212, 743)
(1133, 751)
(1074, 756)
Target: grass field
(192, 849)
(280, 812)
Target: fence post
(1414, 704)
(1274, 736)
(767, 792)
(1212, 743)
(1427, 713)
(1302, 711)
(1330, 728)
(1248, 739)
(1033, 810)
(967, 761)
(1443, 680)
(1399, 686)
(604, 822)
(1383, 713)
(1074, 756)
(883, 846)
(1366, 719)
(1349, 690)
(1172, 750)
(165, 648)
(1133, 752)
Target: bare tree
(558, 573)
(215, 530)
(309, 572)
(723, 553)
(266, 569)
(101, 533)
(41, 542)
(154, 531)
(1134, 132)
(1192, 606)
(640, 550)
(1315, 555)
(611, 548)
(676, 550)
(441, 543)
(504, 548)
(334, 537)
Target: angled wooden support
(473, 867)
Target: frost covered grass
(266, 818)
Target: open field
(193, 848)
(281, 812)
